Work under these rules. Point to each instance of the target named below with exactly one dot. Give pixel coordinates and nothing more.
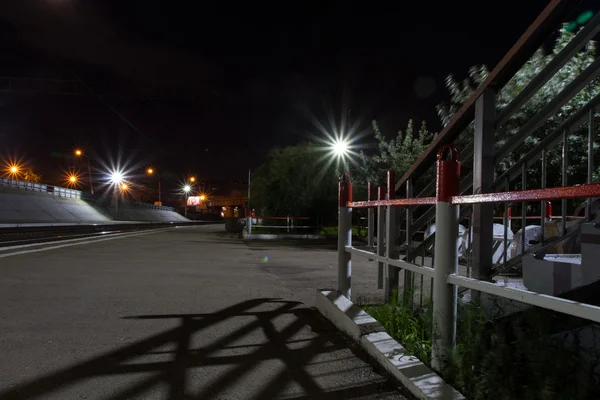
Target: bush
(515, 357)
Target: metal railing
(477, 124)
(41, 187)
(70, 193)
(444, 271)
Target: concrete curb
(421, 381)
(274, 236)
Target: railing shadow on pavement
(174, 373)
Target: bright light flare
(116, 177)
(150, 171)
(192, 179)
(187, 188)
(124, 187)
(340, 147)
(78, 153)
(72, 178)
(202, 197)
(13, 168)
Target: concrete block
(417, 377)
(347, 317)
(554, 274)
(421, 381)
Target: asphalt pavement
(183, 313)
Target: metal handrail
(525, 47)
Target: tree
(397, 154)
(296, 181)
(30, 176)
(577, 171)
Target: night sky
(210, 94)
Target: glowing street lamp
(202, 197)
(151, 172)
(340, 148)
(186, 189)
(116, 177)
(192, 179)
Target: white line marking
(120, 236)
(22, 246)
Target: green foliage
(333, 231)
(460, 91)
(411, 328)
(30, 176)
(396, 155)
(295, 181)
(516, 357)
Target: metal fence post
(344, 236)
(380, 236)
(483, 178)
(371, 216)
(408, 276)
(446, 259)
(392, 273)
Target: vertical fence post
(371, 216)
(408, 276)
(544, 203)
(590, 160)
(391, 272)
(380, 236)
(446, 259)
(344, 236)
(565, 166)
(483, 178)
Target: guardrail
(70, 193)
(444, 274)
(41, 187)
(288, 223)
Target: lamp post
(79, 154)
(186, 189)
(150, 171)
(116, 178)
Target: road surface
(182, 313)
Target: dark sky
(231, 87)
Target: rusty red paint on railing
(564, 192)
(380, 193)
(391, 182)
(417, 201)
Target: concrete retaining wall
(24, 206)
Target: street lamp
(151, 172)
(186, 189)
(340, 148)
(192, 179)
(116, 179)
(79, 154)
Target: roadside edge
(362, 328)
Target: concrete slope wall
(26, 206)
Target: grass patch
(333, 230)
(522, 356)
